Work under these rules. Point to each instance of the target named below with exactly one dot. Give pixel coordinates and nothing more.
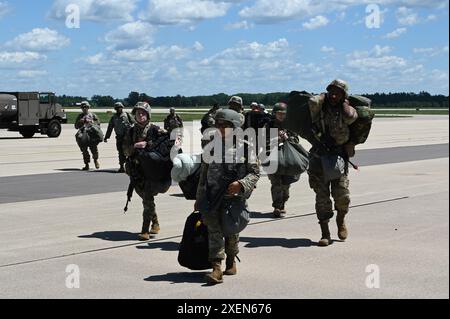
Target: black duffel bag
(190, 185)
(194, 247)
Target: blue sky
(196, 47)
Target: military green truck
(31, 112)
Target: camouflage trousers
(219, 245)
(119, 146)
(148, 201)
(338, 189)
(280, 191)
(86, 155)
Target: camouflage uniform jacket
(172, 122)
(79, 122)
(215, 178)
(120, 123)
(331, 123)
(139, 133)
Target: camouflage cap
(143, 106)
(340, 84)
(118, 105)
(279, 108)
(230, 116)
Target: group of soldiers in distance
(331, 116)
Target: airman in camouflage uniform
(240, 179)
(87, 118)
(120, 122)
(141, 135)
(235, 103)
(172, 121)
(331, 116)
(280, 183)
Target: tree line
(381, 100)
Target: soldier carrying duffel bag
(89, 135)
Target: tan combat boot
(326, 237)
(97, 164)
(342, 229)
(230, 266)
(155, 226)
(277, 213)
(145, 234)
(216, 276)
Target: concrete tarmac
(398, 230)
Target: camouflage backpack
(360, 129)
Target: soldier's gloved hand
(234, 188)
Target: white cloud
(183, 11)
(376, 59)
(32, 73)
(39, 40)
(198, 46)
(431, 52)
(95, 59)
(239, 25)
(149, 54)
(5, 8)
(268, 11)
(379, 50)
(326, 49)
(130, 35)
(12, 59)
(96, 10)
(396, 33)
(406, 16)
(316, 22)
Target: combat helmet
(340, 84)
(230, 116)
(279, 107)
(143, 106)
(236, 103)
(118, 105)
(85, 104)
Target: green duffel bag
(95, 134)
(293, 159)
(82, 137)
(360, 129)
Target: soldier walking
(280, 183)
(331, 117)
(85, 120)
(120, 122)
(141, 136)
(173, 121)
(232, 180)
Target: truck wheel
(54, 129)
(27, 133)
